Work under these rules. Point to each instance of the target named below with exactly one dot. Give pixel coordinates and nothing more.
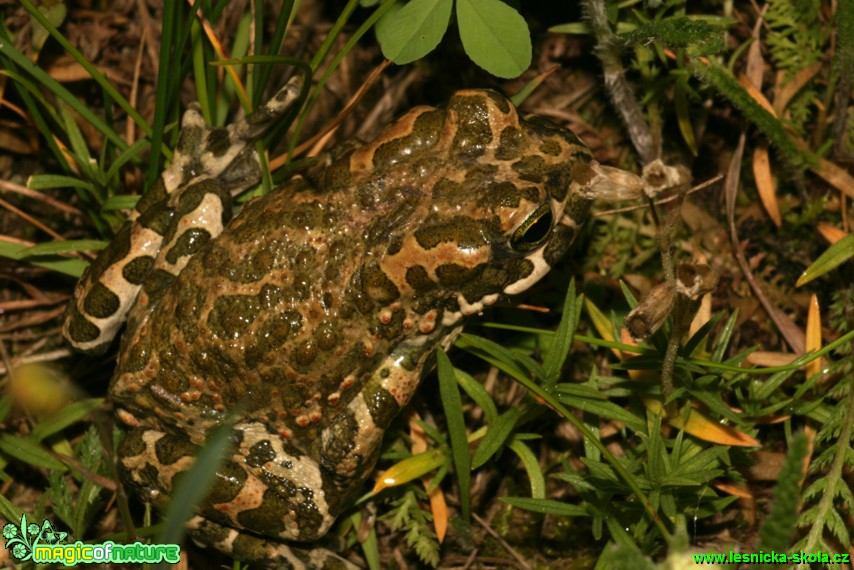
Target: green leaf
(123, 202)
(683, 117)
(496, 436)
(453, 405)
(493, 353)
(130, 153)
(72, 267)
(723, 81)
(53, 247)
(39, 75)
(413, 467)
(532, 467)
(78, 143)
(699, 37)
(547, 506)
(577, 396)
(478, 393)
(63, 419)
(55, 14)
(722, 342)
(778, 528)
(577, 28)
(413, 31)
(5, 407)
(833, 257)
(195, 483)
(562, 340)
(495, 36)
(9, 511)
(29, 452)
(44, 181)
(370, 546)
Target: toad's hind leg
(265, 553)
(262, 488)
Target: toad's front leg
(210, 163)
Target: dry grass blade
(785, 93)
(438, 505)
(348, 108)
(765, 184)
(29, 193)
(25, 216)
(837, 177)
(239, 89)
(793, 335)
(831, 233)
(756, 93)
(33, 319)
(520, 560)
(813, 336)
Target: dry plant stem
(665, 233)
(667, 367)
(345, 112)
(844, 59)
(607, 49)
(51, 356)
(840, 119)
(7, 186)
(26, 217)
(793, 335)
(510, 550)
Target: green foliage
(494, 35)
(725, 84)
(407, 515)
(843, 130)
(777, 531)
(833, 257)
(452, 403)
(78, 509)
(796, 35)
(660, 80)
(410, 31)
(194, 484)
(828, 499)
(670, 475)
(845, 36)
(627, 241)
(797, 38)
(697, 37)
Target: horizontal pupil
(538, 229)
(532, 232)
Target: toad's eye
(534, 230)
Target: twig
(510, 550)
(607, 48)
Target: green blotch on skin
(137, 269)
(511, 144)
(232, 314)
(381, 404)
(100, 302)
(188, 243)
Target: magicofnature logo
(21, 541)
(46, 545)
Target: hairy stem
(607, 48)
